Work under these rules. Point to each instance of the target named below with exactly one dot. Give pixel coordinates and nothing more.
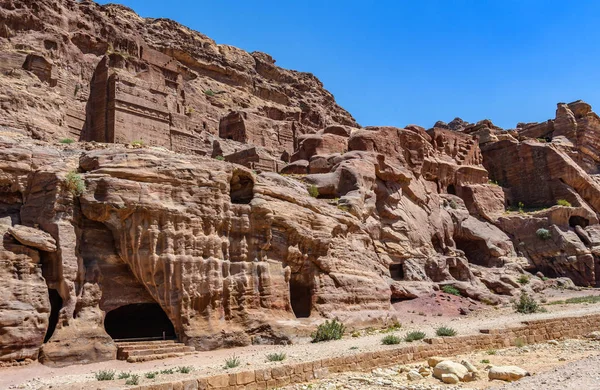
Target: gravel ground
(37, 376)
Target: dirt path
(38, 376)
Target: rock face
(216, 198)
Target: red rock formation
(192, 223)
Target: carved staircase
(143, 351)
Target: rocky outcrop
(202, 193)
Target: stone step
(138, 359)
(145, 346)
(158, 351)
(150, 342)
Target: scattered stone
(450, 367)
(507, 373)
(449, 378)
(413, 375)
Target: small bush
(563, 202)
(137, 143)
(414, 336)
(167, 371)
(232, 362)
(276, 357)
(327, 331)
(313, 191)
(453, 205)
(523, 279)
(209, 92)
(444, 331)
(356, 333)
(151, 375)
(586, 299)
(491, 351)
(543, 234)
(390, 339)
(520, 343)
(448, 289)
(485, 361)
(75, 183)
(105, 375)
(185, 369)
(124, 375)
(220, 158)
(527, 305)
(66, 141)
(392, 328)
(133, 380)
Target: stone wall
(530, 332)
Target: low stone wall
(283, 375)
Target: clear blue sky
(395, 62)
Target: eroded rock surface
(232, 202)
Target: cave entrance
(451, 189)
(576, 220)
(476, 251)
(241, 187)
(300, 298)
(56, 303)
(397, 271)
(139, 321)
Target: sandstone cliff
(188, 188)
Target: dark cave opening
(241, 187)
(300, 298)
(56, 303)
(397, 271)
(576, 220)
(451, 189)
(476, 251)
(139, 320)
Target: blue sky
(395, 62)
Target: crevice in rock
(140, 320)
(300, 297)
(241, 187)
(56, 303)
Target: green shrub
(491, 351)
(327, 331)
(453, 205)
(448, 289)
(523, 279)
(586, 299)
(232, 362)
(392, 328)
(151, 375)
(485, 361)
(124, 375)
(105, 375)
(313, 191)
(137, 143)
(75, 183)
(444, 331)
(563, 202)
(276, 357)
(543, 234)
(167, 371)
(527, 305)
(66, 141)
(520, 343)
(390, 339)
(133, 380)
(185, 369)
(220, 158)
(209, 92)
(414, 336)
(356, 333)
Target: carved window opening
(451, 189)
(397, 271)
(140, 320)
(56, 304)
(241, 187)
(576, 220)
(476, 251)
(300, 298)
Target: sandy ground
(37, 376)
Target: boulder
(450, 367)
(413, 375)
(507, 373)
(34, 238)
